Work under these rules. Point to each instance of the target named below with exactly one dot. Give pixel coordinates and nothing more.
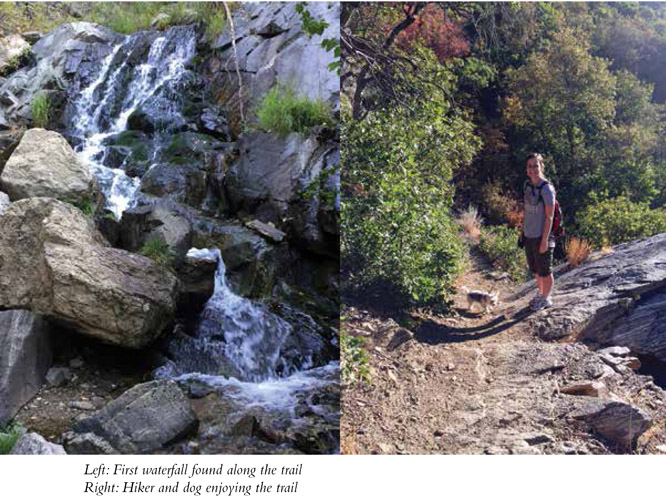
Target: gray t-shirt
(535, 214)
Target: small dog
(488, 300)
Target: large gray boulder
(54, 262)
(25, 357)
(141, 420)
(44, 164)
(32, 443)
(615, 299)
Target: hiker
(539, 198)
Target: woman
(539, 198)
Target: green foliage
(396, 205)
(9, 436)
(354, 360)
(86, 204)
(282, 112)
(41, 110)
(617, 220)
(498, 243)
(158, 250)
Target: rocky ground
(470, 383)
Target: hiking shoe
(542, 303)
(535, 299)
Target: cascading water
(123, 86)
(245, 341)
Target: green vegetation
(9, 436)
(87, 204)
(312, 27)
(158, 250)
(354, 361)
(494, 81)
(498, 243)
(618, 220)
(41, 110)
(283, 112)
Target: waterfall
(122, 86)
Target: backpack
(557, 231)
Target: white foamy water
(165, 63)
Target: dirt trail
(474, 383)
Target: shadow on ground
(431, 332)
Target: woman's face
(532, 168)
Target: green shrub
(353, 360)
(158, 250)
(9, 436)
(498, 243)
(617, 220)
(41, 110)
(282, 112)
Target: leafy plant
(498, 243)
(158, 250)
(282, 112)
(9, 436)
(471, 222)
(313, 27)
(41, 110)
(354, 361)
(617, 220)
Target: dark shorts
(539, 263)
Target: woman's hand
(543, 248)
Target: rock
(76, 362)
(4, 202)
(619, 422)
(593, 389)
(197, 278)
(54, 262)
(142, 420)
(9, 139)
(180, 183)
(58, 376)
(32, 443)
(618, 300)
(11, 49)
(267, 230)
(214, 123)
(82, 405)
(616, 351)
(400, 336)
(44, 164)
(25, 357)
(32, 37)
(140, 224)
(160, 20)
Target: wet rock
(53, 261)
(44, 164)
(214, 122)
(197, 278)
(141, 420)
(58, 376)
(618, 422)
(180, 183)
(25, 357)
(32, 443)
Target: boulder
(32, 443)
(11, 49)
(161, 221)
(617, 299)
(181, 183)
(268, 231)
(9, 139)
(620, 423)
(44, 164)
(141, 420)
(58, 376)
(54, 262)
(25, 357)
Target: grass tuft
(158, 250)
(41, 110)
(578, 250)
(9, 436)
(354, 360)
(283, 112)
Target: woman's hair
(539, 161)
